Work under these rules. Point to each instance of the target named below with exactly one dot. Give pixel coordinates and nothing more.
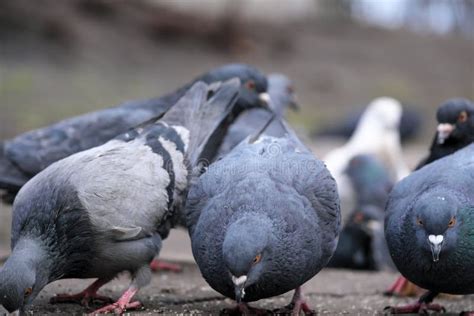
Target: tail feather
(206, 111)
(11, 177)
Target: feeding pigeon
(376, 134)
(362, 242)
(429, 227)
(263, 220)
(106, 210)
(282, 96)
(27, 154)
(455, 129)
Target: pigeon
(429, 227)
(455, 129)
(376, 134)
(362, 244)
(263, 220)
(410, 125)
(370, 180)
(27, 154)
(106, 210)
(282, 97)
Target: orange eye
(462, 117)
(250, 85)
(257, 259)
(28, 291)
(419, 222)
(452, 222)
(290, 89)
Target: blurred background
(63, 58)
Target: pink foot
(420, 308)
(467, 313)
(122, 304)
(117, 308)
(86, 297)
(159, 265)
(403, 288)
(244, 309)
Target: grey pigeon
(455, 129)
(429, 226)
(27, 154)
(106, 210)
(263, 220)
(282, 97)
(362, 244)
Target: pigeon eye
(290, 89)
(250, 85)
(462, 117)
(452, 222)
(257, 259)
(28, 292)
(419, 222)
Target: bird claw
(244, 309)
(420, 308)
(295, 308)
(84, 299)
(117, 308)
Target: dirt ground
(331, 292)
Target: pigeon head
(253, 92)
(247, 252)
(436, 223)
(455, 120)
(383, 111)
(21, 278)
(282, 93)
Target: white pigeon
(377, 134)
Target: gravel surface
(331, 292)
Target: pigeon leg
(159, 265)
(86, 297)
(298, 304)
(244, 309)
(422, 306)
(403, 288)
(122, 304)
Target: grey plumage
(272, 202)
(436, 200)
(282, 97)
(106, 210)
(27, 154)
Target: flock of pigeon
(96, 195)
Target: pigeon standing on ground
(455, 129)
(376, 134)
(429, 226)
(27, 154)
(362, 244)
(106, 210)
(263, 220)
(282, 97)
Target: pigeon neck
(31, 255)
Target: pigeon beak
(239, 286)
(435, 244)
(264, 99)
(444, 130)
